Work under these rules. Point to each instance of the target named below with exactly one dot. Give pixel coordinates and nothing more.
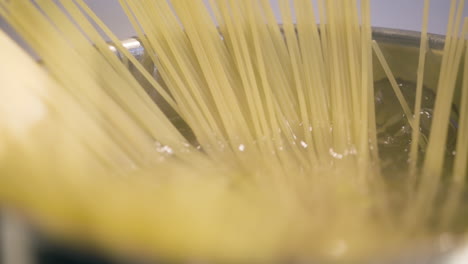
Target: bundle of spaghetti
(285, 160)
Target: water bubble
(241, 147)
(164, 149)
(336, 155)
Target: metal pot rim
(380, 34)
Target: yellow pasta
(285, 160)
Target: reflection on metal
(15, 240)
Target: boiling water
(394, 141)
(394, 130)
